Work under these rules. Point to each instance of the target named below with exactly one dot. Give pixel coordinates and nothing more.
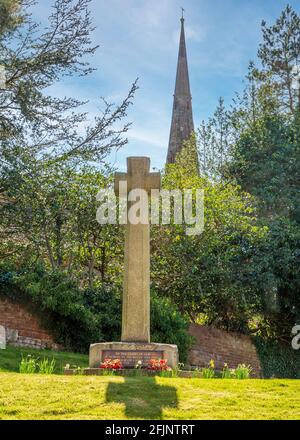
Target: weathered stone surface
(136, 281)
(12, 335)
(135, 337)
(99, 351)
(2, 337)
(182, 124)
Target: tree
(32, 121)
(53, 220)
(272, 89)
(210, 277)
(280, 57)
(214, 139)
(10, 15)
(43, 155)
(265, 163)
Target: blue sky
(139, 38)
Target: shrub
(167, 324)
(278, 359)
(58, 302)
(77, 317)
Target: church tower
(182, 117)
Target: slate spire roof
(182, 124)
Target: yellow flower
(212, 363)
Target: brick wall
(23, 327)
(221, 346)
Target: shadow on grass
(143, 397)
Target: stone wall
(23, 327)
(221, 346)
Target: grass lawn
(11, 357)
(24, 396)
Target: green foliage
(278, 359)
(10, 16)
(263, 133)
(242, 371)
(31, 364)
(45, 366)
(28, 365)
(169, 326)
(11, 357)
(212, 273)
(265, 163)
(77, 317)
(105, 302)
(208, 373)
(177, 369)
(57, 300)
(51, 191)
(227, 373)
(280, 53)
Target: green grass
(103, 397)
(35, 396)
(11, 357)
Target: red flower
(112, 364)
(158, 365)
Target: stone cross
(136, 282)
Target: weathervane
(182, 11)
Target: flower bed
(160, 367)
(111, 364)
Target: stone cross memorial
(135, 342)
(136, 284)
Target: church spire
(182, 117)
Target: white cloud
(157, 139)
(192, 33)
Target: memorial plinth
(135, 342)
(130, 353)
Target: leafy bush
(167, 324)
(77, 317)
(58, 302)
(278, 359)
